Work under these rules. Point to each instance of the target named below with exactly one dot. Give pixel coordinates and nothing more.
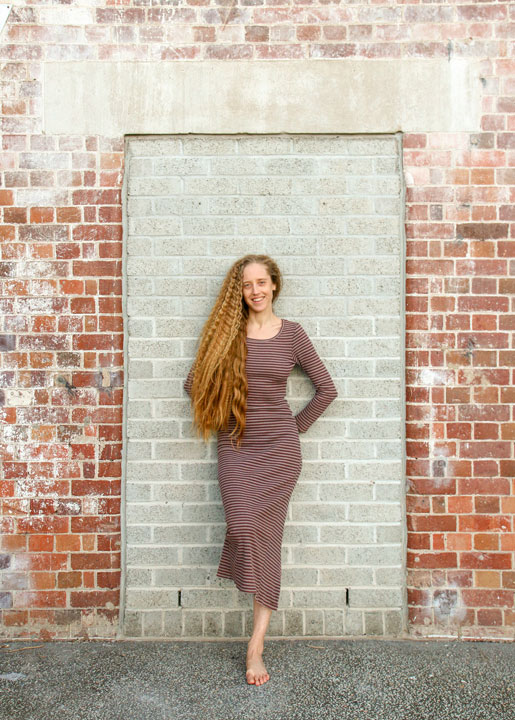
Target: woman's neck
(261, 320)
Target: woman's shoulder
(292, 327)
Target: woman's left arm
(307, 357)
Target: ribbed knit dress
(257, 479)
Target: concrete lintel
(294, 96)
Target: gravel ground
(310, 679)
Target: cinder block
(133, 624)
(334, 622)
(155, 147)
(180, 534)
(192, 623)
(153, 513)
(151, 599)
(213, 623)
(152, 624)
(384, 555)
(354, 622)
(375, 597)
(374, 512)
(328, 208)
(374, 623)
(346, 577)
(172, 623)
(293, 622)
(347, 534)
(313, 622)
(138, 577)
(180, 166)
(233, 623)
(152, 556)
(393, 622)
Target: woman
(237, 386)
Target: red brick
(432, 560)
(492, 560)
(431, 523)
(490, 618)
(488, 598)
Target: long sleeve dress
(257, 479)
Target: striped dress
(257, 479)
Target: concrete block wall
(329, 210)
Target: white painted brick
(328, 209)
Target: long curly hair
(219, 387)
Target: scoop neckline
(270, 338)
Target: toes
(250, 677)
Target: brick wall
(194, 205)
(62, 331)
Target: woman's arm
(307, 357)
(189, 381)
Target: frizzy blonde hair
(219, 385)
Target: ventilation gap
(347, 596)
(179, 598)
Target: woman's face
(258, 288)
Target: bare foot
(256, 671)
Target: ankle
(255, 645)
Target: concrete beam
(294, 96)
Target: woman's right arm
(189, 381)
